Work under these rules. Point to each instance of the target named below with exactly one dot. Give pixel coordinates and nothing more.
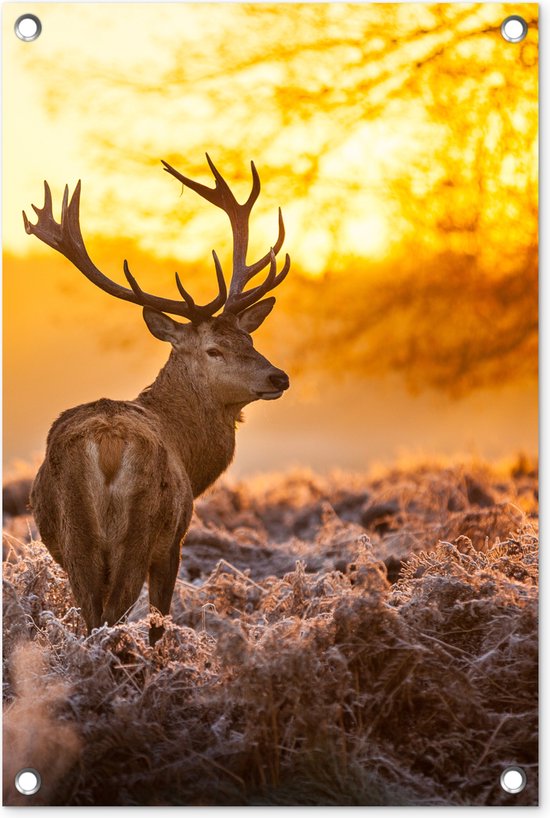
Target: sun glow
(395, 137)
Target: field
(349, 640)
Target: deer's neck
(197, 430)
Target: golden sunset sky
(400, 142)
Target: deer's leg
(54, 549)
(47, 519)
(91, 604)
(125, 584)
(162, 580)
(88, 580)
(128, 561)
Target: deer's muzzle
(279, 380)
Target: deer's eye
(214, 353)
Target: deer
(113, 498)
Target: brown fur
(114, 496)
(110, 448)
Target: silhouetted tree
(307, 90)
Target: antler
(66, 238)
(239, 214)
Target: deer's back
(103, 459)
(110, 434)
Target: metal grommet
(513, 780)
(28, 27)
(28, 781)
(514, 29)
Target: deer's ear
(162, 326)
(251, 318)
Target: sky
(400, 144)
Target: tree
(402, 141)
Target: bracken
(292, 671)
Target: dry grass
(339, 641)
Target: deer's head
(219, 353)
(217, 349)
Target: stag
(114, 496)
